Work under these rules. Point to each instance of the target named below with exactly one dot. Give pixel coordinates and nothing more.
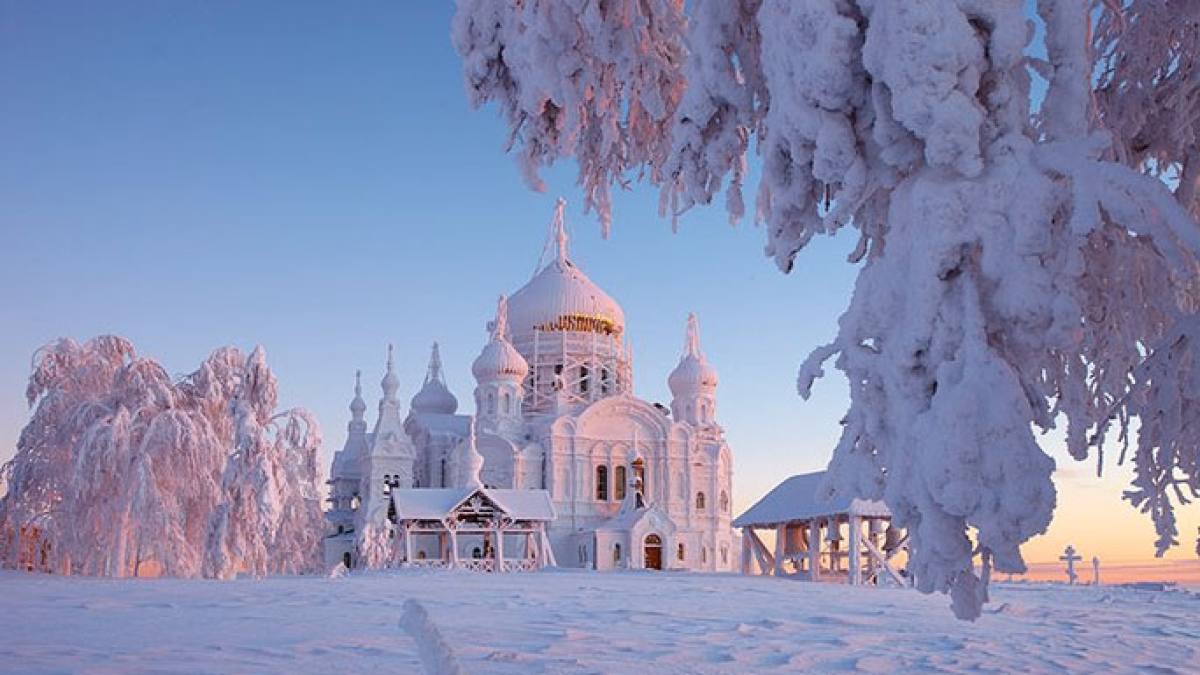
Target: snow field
(578, 622)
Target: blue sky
(310, 177)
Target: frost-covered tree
(120, 466)
(1020, 265)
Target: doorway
(653, 552)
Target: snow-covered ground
(580, 622)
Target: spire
(357, 405)
(434, 373)
(691, 345)
(390, 382)
(500, 325)
(559, 229)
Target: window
(724, 501)
(616, 554)
(604, 380)
(602, 483)
(704, 554)
(506, 403)
(491, 403)
(724, 554)
(679, 552)
(703, 412)
(699, 501)
(583, 379)
(639, 474)
(620, 480)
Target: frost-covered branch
(1018, 269)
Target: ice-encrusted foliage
(593, 80)
(1018, 268)
(124, 471)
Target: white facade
(633, 484)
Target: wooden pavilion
(848, 540)
(475, 528)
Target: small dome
(499, 359)
(693, 375)
(435, 396)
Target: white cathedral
(626, 483)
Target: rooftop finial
(357, 405)
(558, 226)
(434, 374)
(500, 325)
(691, 346)
(358, 383)
(390, 382)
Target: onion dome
(499, 359)
(434, 396)
(390, 383)
(693, 375)
(560, 297)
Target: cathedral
(631, 484)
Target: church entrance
(653, 552)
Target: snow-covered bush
(123, 471)
(1019, 266)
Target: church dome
(693, 375)
(499, 359)
(434, 396)
(561, 297)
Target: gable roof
(796, 499)
(437, 503)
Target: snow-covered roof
(796, 499)
(560, 295)
(437, 503)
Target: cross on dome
(434, 372)
(691, 345)
(500, 325)
(390, 383)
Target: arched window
(703, 412)
(704, 554)
(584, 380)
(616, 554)
(444, 473)
(491, 403)
(679, 552)
(699, 501)
(620, 478)
(604, 380)
(724, 501)
(602, 483)
(724, 554)
(506, 403)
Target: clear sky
(309, 176)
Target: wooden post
(855, 550)
(814, 549)
(780, 539)
(453, 549)
(408, 547)
(747, 550)
(500, 549)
